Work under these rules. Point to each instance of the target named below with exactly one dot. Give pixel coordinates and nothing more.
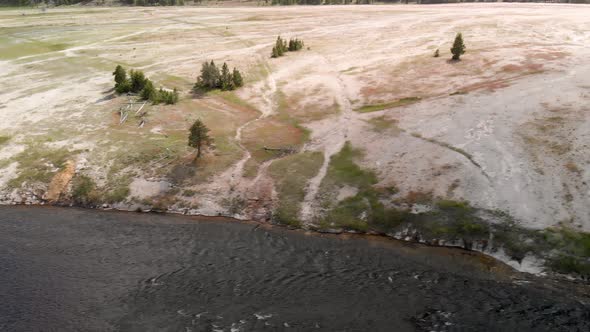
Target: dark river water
(82, 270)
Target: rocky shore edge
(525, 262)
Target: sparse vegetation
(291, 174)
(84, 191)
(362, 211)
(38, 164)
(119, 193)
(235, 205)
(568, 265)
(382, 124)
(380, 107)
(4, 139)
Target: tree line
(22, 3)
(323, 2)
(213, 78)
(138, 83)
(281, 47)
(155, 2)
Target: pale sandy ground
(523, 114)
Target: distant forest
(268, 2)
(23, 3)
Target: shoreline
(507, 265)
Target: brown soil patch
(522, 68)
(271, 133)
(60, 182)
(549, 55)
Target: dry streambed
(363, 130)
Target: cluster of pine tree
(325, 2)
(138, 83)
(281, 46)
(212, 78)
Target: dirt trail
(266, 110)
(331, 142)
(231, 184)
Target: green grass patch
(458, 93)
(12, 50)
(362, 211)
(38, 164)
(453, 220)
(344, 171)
(118, 189)
(571, 242)
(380, 107)
(4, 139)
(231, 97)
(568, 265)
(84, 191)
(291, 175)
(382, 124)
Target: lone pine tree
(458, 48)
(199, 137)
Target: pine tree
(120, 75)
(237, 77)
(168, 97)
(138, 80)
(279, 45)
(458, 48)
(295, 45)
(174, 98)
(201, 79)
(214, 76)
(148, 92)
(161, 96)
(226, 78)
(275, 52)
(199, 137)
(123, 87)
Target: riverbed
(72, 269)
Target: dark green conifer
(199, 137)
(138, 80)
(120, 75)
(237, 78)
(458, 48)
(226, 79)
(148, 92)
